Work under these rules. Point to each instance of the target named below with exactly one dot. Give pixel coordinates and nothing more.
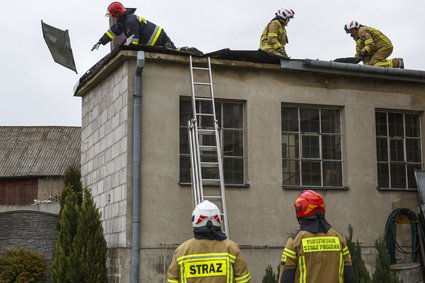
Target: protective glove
(363, 54)
(96, 46)
(358, 60)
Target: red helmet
(115, 9)
(309, 203)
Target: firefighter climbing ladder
(204, 141)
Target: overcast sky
(37, 91)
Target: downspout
(137, 166)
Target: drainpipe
(137, 166)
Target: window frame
(184, 131)
(320, 159)
(389, 140)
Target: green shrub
(361, 275)
(383, 272)
(19, 265)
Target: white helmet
(206, 212)
(351, 25)
(285, 13)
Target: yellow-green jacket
(274, 38)
(319, 257)
(208, 261)
(370, 40)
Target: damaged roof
(259, 56)
(38, 151)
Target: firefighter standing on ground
(274, 36)
(142, 30)
(208, 257)
(372, 46)
(316, 253)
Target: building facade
(354, 135)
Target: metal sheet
(59, 45)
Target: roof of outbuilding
(38, 151)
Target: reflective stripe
(341, 269)
(289, 253)
(368, 41)
(110, 34)
(172, 281)
(302, 268)
(272, 34)
(243, 279)
(321, 244)
(154, 36)
(346, 251)
(142, 20)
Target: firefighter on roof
(274, 36)
(316, 253)
(372, 46)
(141, 30)
(208, 257)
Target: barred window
(230, 116)
(399, 149)
(311, 146)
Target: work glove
(363, 54)
(358, 60)
(96, 46)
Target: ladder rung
(209, 164)
(201, 68)
(213, 198)
(206, 131)
(207, 147)
(204, 114)
(201, 83)
(211, 181)
(203, 98)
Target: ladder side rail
(219, 152)
(193, 161)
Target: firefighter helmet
(204, 213)
(309, 203)
(115, 9)
(285, 13)
(351, 25)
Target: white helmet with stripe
(351, 25)
(285, 13)
(204, 213)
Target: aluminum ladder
(206, 158)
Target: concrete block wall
(104, 152)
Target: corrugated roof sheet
(38, 151)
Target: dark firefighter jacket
(316, 258)
(208, 261)
(144, 32)
(274, 38)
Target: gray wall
(261, 216)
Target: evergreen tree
(270, 277)
(361, 275)
(80, 251)
(383, 272)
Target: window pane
(233, 170)
(383, 175)
(331, 147)
(398, 176)
(381, 124)
(382, 149)
(290, 146)
(396, 150)
(291, 172)
(413, 150)
(290, 119)
(232, 115)
(309, 120)
(411, 175)
(332, 173)
(184, 141)
(395, 123)
(184, 169)
(412, 125)
(185, 112)
(330, 121)
(232, 144)
(311, 174)
(310, 147)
